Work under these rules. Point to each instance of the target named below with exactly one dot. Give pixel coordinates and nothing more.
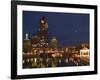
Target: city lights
(38, 52)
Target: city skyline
(68, 28)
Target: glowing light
(35, 60)
(27, 60)
(31, 59)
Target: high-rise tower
(43, 32)
(43, 27)
(42, 35)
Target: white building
(84, 52)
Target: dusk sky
(69, 28)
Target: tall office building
(41, 38)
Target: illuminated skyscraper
(41, 39)
(54, 43)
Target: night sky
(69, 28)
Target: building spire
(26, 36)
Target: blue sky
(69, 28)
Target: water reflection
(38, 62)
